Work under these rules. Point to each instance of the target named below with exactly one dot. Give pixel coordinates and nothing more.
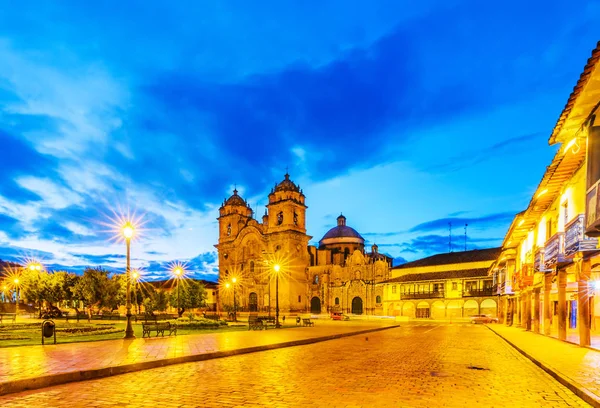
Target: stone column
(536, 310)
(528, 311)
(518, 311)
(583, 302)
(547, 304)
(562, 304)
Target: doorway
(357, 306)
(315, 305)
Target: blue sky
(402, 116)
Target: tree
(192, 294)
(96, 289)
(33, 287)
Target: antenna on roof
(466, 225)
(449, 237)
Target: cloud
(502, 219)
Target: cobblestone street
(417, 365)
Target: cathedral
(336, 276)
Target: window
(378, 299)
(454, 286)
(228, 230)
(337, 301)
(548, 229)
(393, 288)
(280, 218)
(471, 285)
(213, 293)
(299, 299)
(438, 287)
(242, 267)
(316, 280)
(565, 209)
(251, 266)
(295, 218)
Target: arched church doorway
(315, 305)
(357, 305)
(253, 302)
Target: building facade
(443, 286)
(549, 268)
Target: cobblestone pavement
(579, 364)
(422, 365)
(19, 363)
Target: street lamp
(234, 280)
(277, 268)
(16, 282)
(135, 276)
(4, 289)
(128, 230)
(178, 272)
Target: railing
(538, 260)
(422, 295)
(555, 250)
(575, 238)
(489, 291)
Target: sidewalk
(23, 368)
(577, 368)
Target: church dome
(341, 234)
(235, 199)
(287, 185)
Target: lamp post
(277, 268)
(4, 288)
(178, 272)
(16, 282)
(234, 280)
(135, 275)
(128, 231)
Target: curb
(574, 386)
(11, 387)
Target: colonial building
(249, 250)
(343, 278)
(548, 271)
(335, 276)
(452, 285)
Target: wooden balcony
(490, 291)
(422, 295)
(575, 238)
(538, 260)
(554, 253)
(592, 210)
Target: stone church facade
(335, 276)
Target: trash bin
(48, 330)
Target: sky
(404, 116)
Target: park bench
(254, 323)
(267, 321)
(76, 316)
(8, 316)
(307, 322)
(159, 328)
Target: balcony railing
(555, 250)
(423, 295)
(489, 291)
(575, 238)
(538, 261)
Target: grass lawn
(28, 333)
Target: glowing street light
(277, 268)
(596, 285)
(233, 283)
(128, 230)
(178, 271)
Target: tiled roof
(438, 276)
(476, 255)
(581, 83)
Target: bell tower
(234, 214)
(287, 211)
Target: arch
(378, 299)
(315, 305)
(488, 306)
(408, 309)
(423, 311)
(357, 305)
(471, 308)
(453, 309)
(438, 310)
(253, 302)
